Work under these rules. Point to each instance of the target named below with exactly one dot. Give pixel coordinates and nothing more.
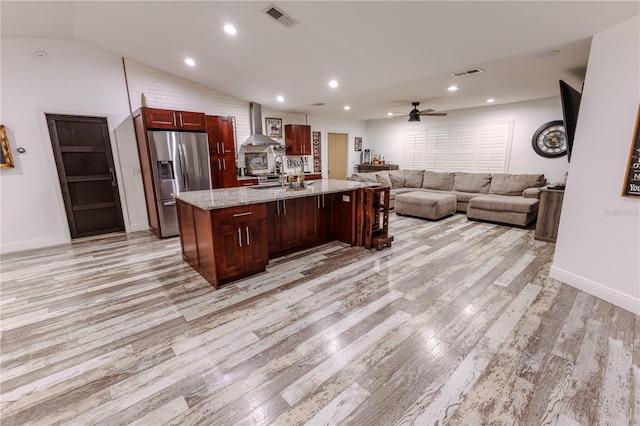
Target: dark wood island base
(225, 242)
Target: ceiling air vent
(468, 72)
(280, 16)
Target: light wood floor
(457, 323)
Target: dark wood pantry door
(82, 151)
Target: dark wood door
(82, 151)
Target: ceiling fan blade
(435, 114)
(425, 111)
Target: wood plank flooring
(458, 323)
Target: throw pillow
(508, 184)
(383, 178)
(472, 182)
(397, 178)
(438, 180)
(413, 178)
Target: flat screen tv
(570, 99)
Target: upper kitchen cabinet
(220, 134)
(222, 151)
(167, 119)
(298, 139)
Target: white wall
(386, 137)
(74, 79)
(598, 247)
(79, 79)
(353, 128)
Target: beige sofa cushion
(438, 180)
(502, 203)
(472, 182)
(364, 177)
(508, 184)
(413, 178)
(397, 178)
(383, 178)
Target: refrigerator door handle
(185, 169)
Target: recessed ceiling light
(347, 107)
(333, 84)
(190, 62)
(230, 29)
(389, 114)
(452, 88)
(280, 98)
(490, 100)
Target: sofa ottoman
(518, 211)
(427, 205)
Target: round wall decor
(550, 140)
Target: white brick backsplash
(170, 92)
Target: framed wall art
(358, 144)
(632, 172)
(273, 127)
(6, 159)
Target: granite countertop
(240, 196)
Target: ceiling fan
(414, 115)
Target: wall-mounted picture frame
(273, 127)
(632, 172)
(6, 159)
(358, 144)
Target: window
(473, 148)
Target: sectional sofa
(498, 197)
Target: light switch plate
(346, 198)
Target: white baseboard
(595, 289)
(7, 248)
(138, 227)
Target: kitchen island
(230, 233)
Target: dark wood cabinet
(222, 151)
(364, 168)
(293, 224)
(166, 119)
(298, 223)
(297, 137)
(247, 182)
(240, 243)
(234, 247)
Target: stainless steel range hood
(257, 138)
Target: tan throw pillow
(383, 178)
(364, 177)
(508, 184)
(438, 180)
(413, 178)
(472, 182)
(397, 178)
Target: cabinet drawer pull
(246, 230)
(174, 119)
(242, 214)
(278, 207)
(224, 164)
(284, 207)
(239, 238)
(181, 122)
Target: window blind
(481, 147)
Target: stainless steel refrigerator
(180, 162)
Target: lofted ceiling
(384, 54)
